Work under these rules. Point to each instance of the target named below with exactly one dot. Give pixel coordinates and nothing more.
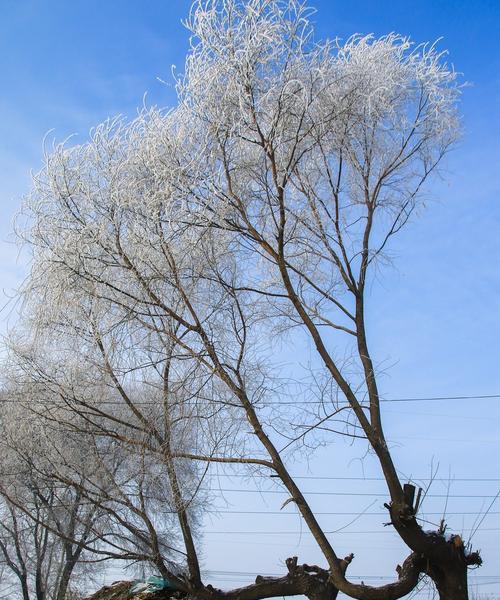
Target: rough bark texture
(309, 580)
(448, 570)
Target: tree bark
(451, 584)
(449, 569)
(64, 580)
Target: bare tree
(171, 252)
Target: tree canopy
(173, 253)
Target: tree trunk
(450, 580)
(40, 587)
(25, 589)
(445, 559)
(64, 580)
(325, 591)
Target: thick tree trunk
(325, 591)
(450, 579)
(445, 559)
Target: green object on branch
(151, 584)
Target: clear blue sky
(435, 317)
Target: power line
(348, 478)
(343, 532)
(438, 398)
(340, 513)
(350, 494)
(210, 572)
(388, 400)
(450, 479)
(380, 495)
(265, 404)
(358, 513)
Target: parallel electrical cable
(451, 479)
(313, 493)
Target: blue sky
(434, 317)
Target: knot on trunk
(307, 576)
(404, 512)
(314, 581)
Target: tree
(40, 562)
(46, 527)
(108, 442)
(170, 253)
(101, 459)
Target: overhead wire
(292, 402)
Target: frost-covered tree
(46, 528)
(171, 253)
(90, 445)
(38, 562)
